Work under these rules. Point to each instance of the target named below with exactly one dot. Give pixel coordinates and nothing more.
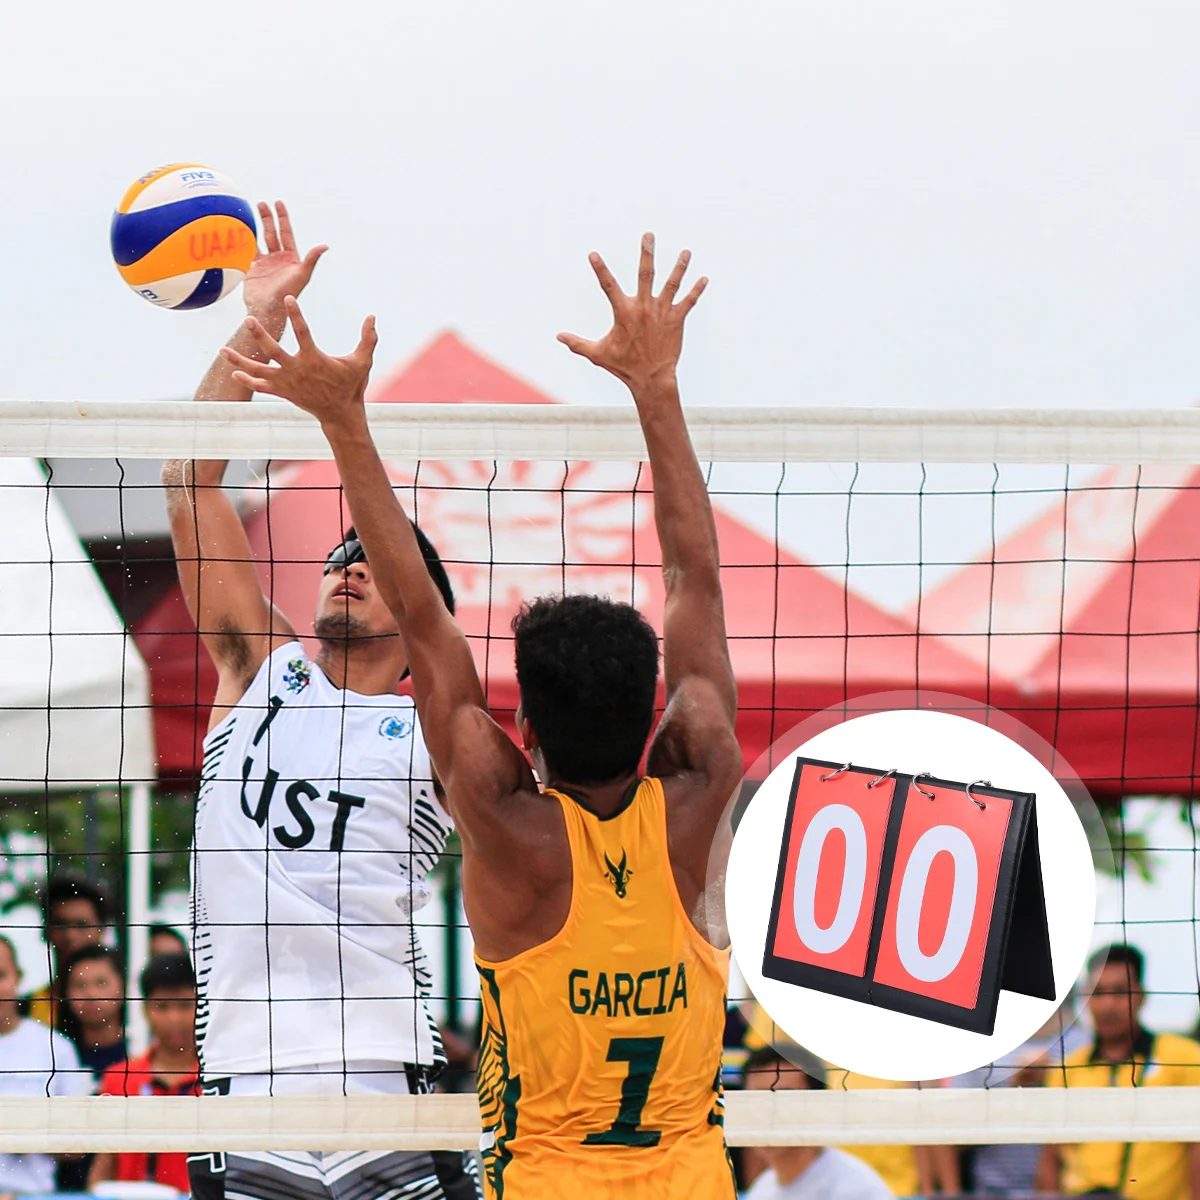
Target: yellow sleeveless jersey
(601, 1054)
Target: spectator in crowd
(168, 1068)
(907, 1170)
(165, 939)
(1011, 1170)
(805, 1172)
(1123, 1053)
(74, 915)
(34, 1061)
(94, 994)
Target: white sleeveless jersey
(316, 826)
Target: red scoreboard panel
(909, 893)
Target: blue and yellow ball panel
(182, 237)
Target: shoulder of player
(525, 813)
(697, 800)
(280, 657)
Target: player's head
(165, 939)
(768, 1070)
(587, 670)
(349, 606)
(169, 988)
(1116, 976)
(94, 986)
(75, 912)
(10, 970)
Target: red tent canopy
(1115, 566)
(512, 531)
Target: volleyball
(182, 236)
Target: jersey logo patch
(298, 675)
(394, 727)
(619, 873)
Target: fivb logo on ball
(182, 236)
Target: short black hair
(433, 562)
(167, 971)
(587, 671)
(94, 954)
(74, 887)
(1118, 953)
(767, 1058)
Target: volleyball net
(1045, 565)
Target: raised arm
(212, 553)
(475, 760)
(696, 736)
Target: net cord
(521, 432)
(930, 1116)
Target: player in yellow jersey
(604, 1000)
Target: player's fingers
(287, 240)
(676, 276)
(607, 280)
(300, 327)
(646, 267)
(265, 342)
(578, 345)
(364, 352)
(270, 234)
(686, 305)
(254, 383)
(240, 361)
(312, 258)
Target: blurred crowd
(69, 1039)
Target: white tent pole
(137, 912)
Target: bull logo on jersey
(298, 675)
(619, 873)
(394, 728)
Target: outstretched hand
(646, 338)
(280, 271)
(329, 388)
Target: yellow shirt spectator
(1152, 1170)
(896, 1165)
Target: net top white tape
(938, 1116)
(274, 429)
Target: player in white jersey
(317, 824)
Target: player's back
(601, 1055)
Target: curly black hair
(587, 670)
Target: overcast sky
(934, 203)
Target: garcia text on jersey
(624, 994)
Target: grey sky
(937, 203)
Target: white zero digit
(931, 968)
(854, 878)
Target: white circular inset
(854, 879)
(877, 1041)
